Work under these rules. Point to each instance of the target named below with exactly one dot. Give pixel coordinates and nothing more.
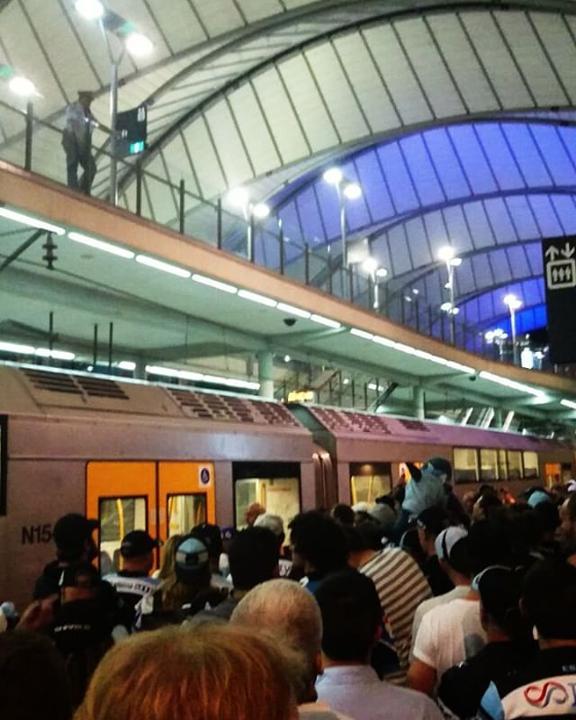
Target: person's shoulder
(414, 703)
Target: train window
(488, 465)
(118, 516)
(185, 512)
(280, 496)
(465, 465)
(531, 469)
(502, 465)
(514, 465)
(368, 481)
(3, 462)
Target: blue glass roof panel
(422, 171)
(528, 155)
(470, 152)
(399, 182)
(446, 163)
(502, 161)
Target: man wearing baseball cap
(133, 581)
(72, 536)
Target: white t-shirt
(449, 634)
(460, 591)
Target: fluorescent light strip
(520, 387)
(291, 310)
(41, 352)
(15, 348)
(55, 354)
(32, 222)
(216, 284)
(127, 365)
(200, 377)
(321, 320)
(415, 352)
(257, 298)
(101, 245)
(361, 334)
(569, 404)
(164, 267)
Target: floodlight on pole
(21, 86)
(346, 190)
(333, 176)
(351, 191)
(239, 197)
(138, 45)
(135, 44)
(513, 303)
(447, 255)
(89, 9)
(370, 265)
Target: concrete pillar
(418, 399)
(266, 375)
(140, 369)
(498, 417)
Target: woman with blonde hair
(215, 673)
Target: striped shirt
(401, 587)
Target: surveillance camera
(290, 322)
(473, 378)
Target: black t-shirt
(462, 687)
(545, 687)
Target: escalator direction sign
(559, 256)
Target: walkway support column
(418, 400)
(266, 375)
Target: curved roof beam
(383, 19)
(313, 176)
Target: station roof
(456, 117)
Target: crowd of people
(417, 606)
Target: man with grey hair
(289, 612)
(276, 525)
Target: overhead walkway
(173, 300)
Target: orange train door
(186, 497)
(163, 498)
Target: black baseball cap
(72, 530)
(137, 543)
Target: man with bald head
(289, 612)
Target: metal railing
(35, 145)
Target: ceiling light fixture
(257, 298)
(30, 221)
(512, 384)
(162, 266)
(101, 245)
(216, 284)
(321, 320)
(291, 310)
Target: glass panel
(502, 467)
(366, 488)
(118, 516)
(185, 512)
(488, 465)
(531, 469)
(514, 465)
(465, 465)
(280, 496)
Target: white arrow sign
(552, 252)
(567, 250)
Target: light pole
(376, 273)
(135, 44)
(496, 337)
(447, 255)
(346, 190)
(240, 198)
(513, 303)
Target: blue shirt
(356, 691)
